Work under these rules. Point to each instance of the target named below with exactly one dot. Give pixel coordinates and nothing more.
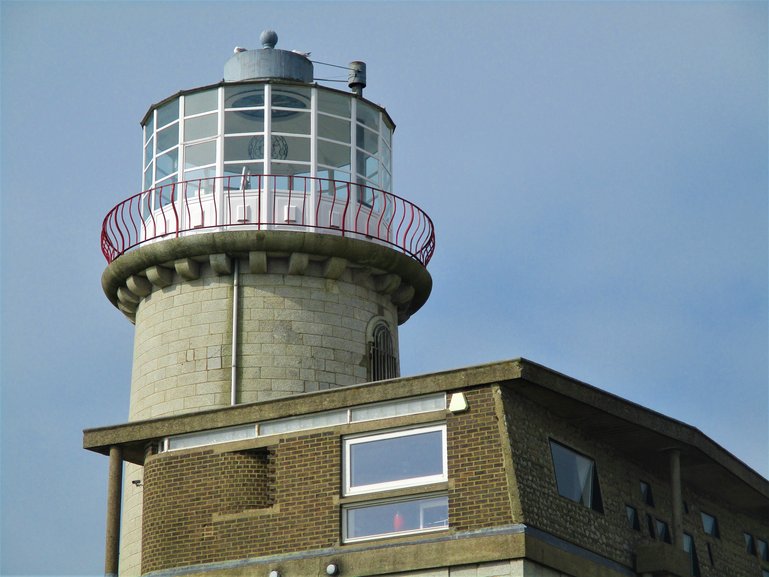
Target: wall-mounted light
(458, 403)
(332, 569)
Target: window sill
(247, 514)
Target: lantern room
(268, 148)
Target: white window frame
(353, 440)
(423, 497)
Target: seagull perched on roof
(300, 53)
(239, 49)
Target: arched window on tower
(383, 362)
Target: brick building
(496, 470)
(267, 266)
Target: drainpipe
(112, 552)
(675, 489)
(234, 374)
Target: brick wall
(205, 506)
(478, 493)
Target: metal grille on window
(382, 361)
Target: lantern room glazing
(265, 128)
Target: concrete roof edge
(97, 438)
(679, 431)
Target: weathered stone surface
(187, 268)
(160, 276)
(139, 285)
(221, 263)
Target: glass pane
(303, 422)
(646, 494)
(201, 102)
(287, 169)
(234, 175)
(168, 112)
(148, 152)
(148, 177)
(284, 97)
(663, 533)
(574, 475)
(763, 550)
(150, 126)
(200, 154)
(397, 408)
(335, 155)
(333, 128)
(200, 127)
(386, 181)
(397, 458)
(244, 147)
(164, 192)
(710, 525)
(397, 517)
(243, 96)
(386, 159)
(368, 167)
(199, 181)
(368, 115)
(334, 103)
(212, 437)
(387, 132)
(632, 517)
(290, 148)
(750, 545)
(167, 164)
(367, 140)
(243, 121)
(168, 137)
(334, 180)
(291, 121)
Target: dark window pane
(576, 477)
(646, 494)
(710, 525)
(632, 518)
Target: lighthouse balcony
(263, 202)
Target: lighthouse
(267, 254)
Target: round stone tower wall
(296, 333)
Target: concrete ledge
(158, 260)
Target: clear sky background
(596, 172)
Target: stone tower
(267, 255)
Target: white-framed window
(395, 459)
(381, 519)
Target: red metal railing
(271, 202)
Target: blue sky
(596, 172)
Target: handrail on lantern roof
(268, 202)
